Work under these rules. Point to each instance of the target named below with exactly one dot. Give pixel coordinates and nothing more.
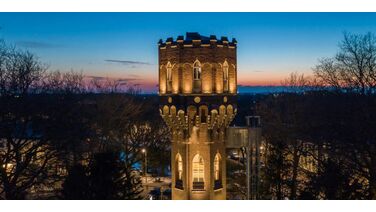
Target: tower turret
(197, 89)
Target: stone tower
(197, 89)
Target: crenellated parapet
(185, 63)
(194, 39)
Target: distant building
(198, 88)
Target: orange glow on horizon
(266, 77)
(261, 79)
(149, 82)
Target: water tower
(197, 89)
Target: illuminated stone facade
(197, 88)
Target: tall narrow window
(180, 167)
(217, 172)
(203, 115)
(169, 77)
(198, 172)
(179, 172)
(216, 167)
(225, 76)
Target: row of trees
(329, 118)
(63, 136)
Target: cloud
(134, 75)
(128, 62)
(95, 77)
(258, 71)
(36, 44)
(120, 80)
(127, 79)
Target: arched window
(214, 115)
(166, 110)
(216, 166)
(217, 172)
(222, 110)
(197, 70)
(230, 110)
(179, 163)
(179, 172)
(173, 110)
(198, 172)
(169, 77)
(225, 76)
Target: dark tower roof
(195, 36)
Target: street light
(145, 164)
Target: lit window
(198, 169)
(179, 167)
(225, 76)
(217, 168)
(217, 172)
(179, 172)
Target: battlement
(197, 64)
(194, 39)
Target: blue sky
(270, 45)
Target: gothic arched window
(217, 172)
(179, 167)
(179, 171)
(225, 76)
(217, 161)
(169, 76)
(198, 172)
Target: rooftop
(191, 37)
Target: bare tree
(298, 83)
(24, 152)
(354, 66)
(63, 83)
(119, 129)
(108, 85)
(20, 71)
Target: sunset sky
(124, 45)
